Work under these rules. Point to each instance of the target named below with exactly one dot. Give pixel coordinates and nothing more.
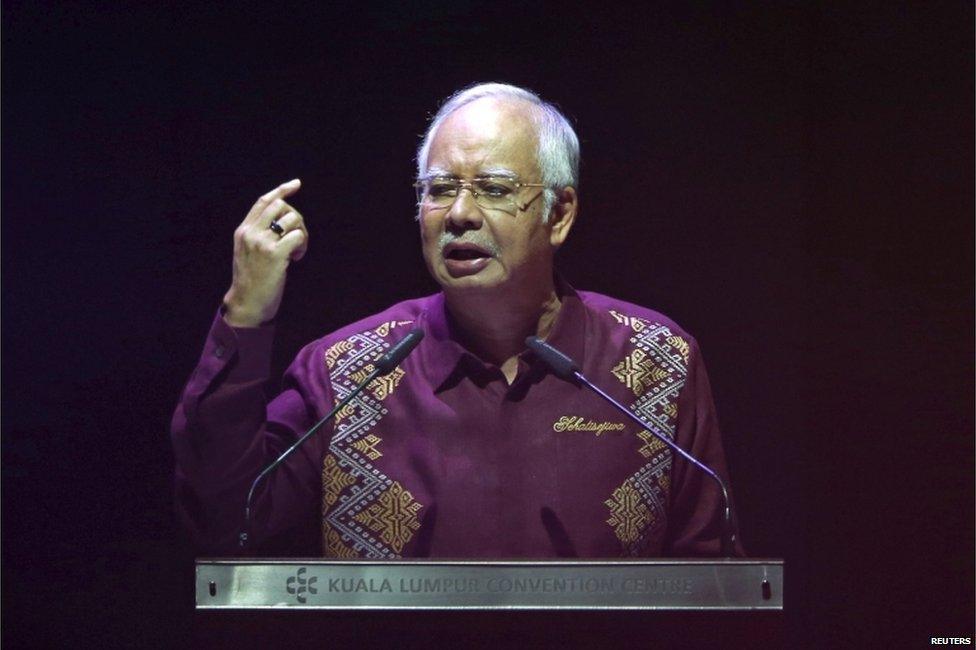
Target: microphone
(389, 361)
(561, 365)
(565, 368)
(383, 366)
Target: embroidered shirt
(443, 458)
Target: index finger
(283, 190)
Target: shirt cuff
(246, 349)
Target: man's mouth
(463, 259)
(464, 252)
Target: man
(471, 448)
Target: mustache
(478, 240)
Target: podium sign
(490, 584)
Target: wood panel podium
(659, 584)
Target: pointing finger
(283, 190)
(274, 210)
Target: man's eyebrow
(439, 173)
(490, 172)
(504, 172)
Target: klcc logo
(304, 585)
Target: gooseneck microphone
(565, 368)
(383, 366)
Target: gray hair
(558, 149)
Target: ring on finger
(276, 228)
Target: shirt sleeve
(225, 431)
(696, 504)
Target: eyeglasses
(489, 192)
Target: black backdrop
(793, 184)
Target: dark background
(792, 183)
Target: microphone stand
(565, 368)
(384, 366)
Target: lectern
(660, 584)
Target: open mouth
(462, 259)
(465, 252)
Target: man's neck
(495, 327)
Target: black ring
(276, 228)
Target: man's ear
(562, 215)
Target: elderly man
(471, 448)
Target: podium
(659, 584)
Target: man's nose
(465, 213)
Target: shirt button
(219, 352)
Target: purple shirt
(443, 458)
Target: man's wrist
(236, 317)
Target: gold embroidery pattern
(364, 512)
(335, 351)
(343, 413)
(334, 545)
(360, 377)
(367, 446)
(637, 372)
(633, 322)
(637, 507)
(628, 514)
(652, 444)
(655, 371)
(385, 328)
(381, 387)
(334, 480)
(393, 516)
(681, 346)
(671, 410)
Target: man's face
(470, 248)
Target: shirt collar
(442, 355)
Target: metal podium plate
(463, 584)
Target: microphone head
(561, 365)
(399, 352)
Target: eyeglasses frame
(469, 185)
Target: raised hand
(271, 236)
